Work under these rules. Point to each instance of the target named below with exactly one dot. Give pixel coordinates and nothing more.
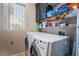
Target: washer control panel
(40, 43)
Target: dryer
(44, 44)
(28, 42)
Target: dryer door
(26, 43)
(26, 46)
(34, 51)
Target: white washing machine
(44, 44)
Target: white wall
(30, 17)
(0, 15)
(6, 48)
(17, 37)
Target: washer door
(26, 43)
(34, 51)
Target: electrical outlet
(11, 42)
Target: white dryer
(44, 44)
(28, 42)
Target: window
(13, 17)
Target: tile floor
(20, 54)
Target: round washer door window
(33, 51)
(26, 43)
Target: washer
(44, 44)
